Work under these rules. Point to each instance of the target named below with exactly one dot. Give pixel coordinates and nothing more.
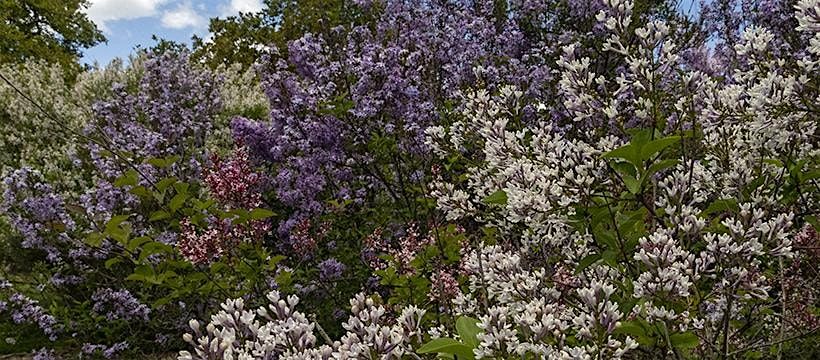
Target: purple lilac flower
(108, 352)
(331, 269)
(171, 113)
(26, 310)
(36, 211)
(119, 305)
(59, 279)
(115, 349)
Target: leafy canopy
(54, 30)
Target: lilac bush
(339, 101)
(69, 241)
(170, 114)
(699, 238)
(555, 179)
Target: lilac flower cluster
(119, 305)
(170, 113)
(280, 331)
(108, 352)
(26, 310)
(725, 20)
(331, 269)
(60, 279)
(37, 212)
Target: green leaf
(635, 330)
(128, 179)
(159, 215)
(181, 187)
(605, 239)
(655, 146)
(238, 214)
(142, 273)
(685, 340)
(610, 258)
(774, 162)
(632, 184)
(809, 175)
(94, 239)
(202, 205)
(177, 201)
(640, 137)
(260, 213)
(447, 346)
(165, 275)
(111, 262)
(468, 330)
(154, 247)
(116, 221)
(136, 242)
(587, 262)
(163, 184)
(499, 198)
(140, 191)
(170, 160)
(158, 162)
(720, 206)
(812, 220)
(600, 215)
(625, 168)
(630, 328)
(274, 261)
(628, 152)
(162, 162)
(640, 148)
(284, 279)
(116, 230)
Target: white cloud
(183, 16)
(102, 11)
(245, 6)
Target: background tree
(54, 30)
(243, 38)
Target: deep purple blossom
(331, 269)
(119, 305)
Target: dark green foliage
(240, 38)
(54, 30)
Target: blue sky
(127, 23)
